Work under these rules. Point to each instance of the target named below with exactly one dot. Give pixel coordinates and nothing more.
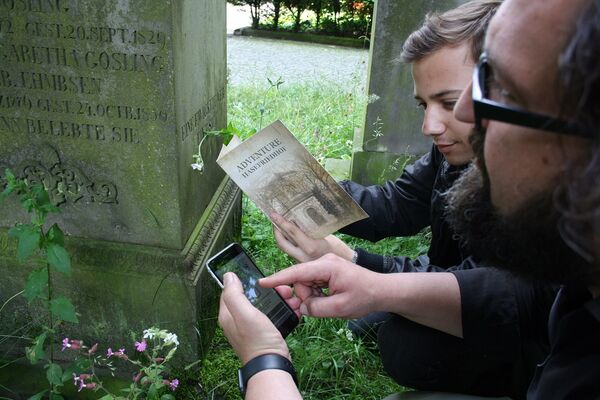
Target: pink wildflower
(65, 344)
(79, 382)
(93, 349)
(120, 353)
(173, 385)
(75, 344)
(141, 346)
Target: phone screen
(234, 259)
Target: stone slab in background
(393, 121)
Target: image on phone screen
(234, 259)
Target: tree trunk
(276, 12)
(318, 14)
(255, 14)
(297, 20)
(335, 21)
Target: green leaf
(152, 392)
(56, 396)
(38, 396)
(27, 203)
(40, 195)
(171, 354)
(58, 258)
(63, 309)
(36, 284)
(107, 397)
(29, 240)
(7, 191)
(56, 235)
(50, 208)
(167, 397)
(9, 175)
(54, 374)
(36, 352)
(9, 178)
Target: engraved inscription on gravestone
(105, 102)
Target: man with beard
(535, 188)
(537, 169)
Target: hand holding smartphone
(234, 259)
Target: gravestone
(391, 134)
(105, 103)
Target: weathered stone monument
(105, 103)
(392, 129)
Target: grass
(331, 364)
(321, 115)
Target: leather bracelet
(260, 363)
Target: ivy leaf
(29, 240)
(36, 284)
(38, 396)
(54, 374)
(63, 309)
(36, 352)
(56, 235)
(58, 258)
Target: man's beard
(526, 242)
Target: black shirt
(572, 370)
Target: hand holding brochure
(278, 174)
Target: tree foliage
(338, 17)
(255, 8)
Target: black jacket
(405, 207)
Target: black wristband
(260, 363)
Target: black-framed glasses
(485, 108)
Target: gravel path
(253, 60)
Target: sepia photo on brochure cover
(278, 174)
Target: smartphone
(233, 258)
